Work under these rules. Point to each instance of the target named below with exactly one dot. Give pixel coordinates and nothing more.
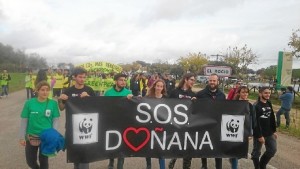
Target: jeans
(31, 157)
(81, 166)
(185, 165)
(271, 149)
(234, 163)
(218, 163)
(119, 164)
(286, 115)
(4, 90)
(29, 93)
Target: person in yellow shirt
(4, 79)
(143, 84)
(58, 85)
(28, 85)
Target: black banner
(99, 128)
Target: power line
(217, 56)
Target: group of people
(58, 81)
(40, 113)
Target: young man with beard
(118, 90)
(212, 92)
(265, 130)
(184, 91)
(78, 90)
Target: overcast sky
(123, 31)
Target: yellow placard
(103, 67)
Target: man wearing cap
(118, 90)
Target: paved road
(12, 155)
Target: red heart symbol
(159, 129)
(136, 131)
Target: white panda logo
(85, 125)
(233, 125)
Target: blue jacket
(51, 142)
(287, 100)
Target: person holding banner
(118, 90)
(212, 92)
(264, 131)
(157, 90)
(78, 90)
(38, 114)
(184, 91)
(242, 94)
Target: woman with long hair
(242, 93)
(184, 91)
(157, 90)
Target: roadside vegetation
(17, 82)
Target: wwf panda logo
(233, 125)
(86, 125)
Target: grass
(17, 82)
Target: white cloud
(125, 31)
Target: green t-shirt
(113, 92)
(40, 115)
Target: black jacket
(206, 93)
(265, 121)
(182, 94)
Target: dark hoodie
(265, 119)
(182, 94)
(206, 93)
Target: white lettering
(173, 142)
(162, 143)
(181, 114)
(169, 114)
(107, 135)
(148, 116)
(206, 136)
(188, 137)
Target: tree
(193, 62)
(240, 58)
(176, 70)
(295, 43)
(268, 73)
(160, 67)
(130, 67)
(15, 60)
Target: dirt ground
(12, 154)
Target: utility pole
(217, 56)
(222, 79)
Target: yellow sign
(103, 67)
